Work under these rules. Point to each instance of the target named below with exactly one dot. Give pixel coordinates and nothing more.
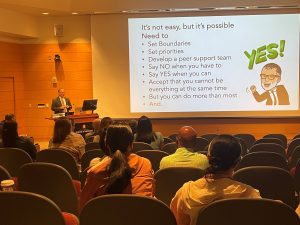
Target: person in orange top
(121, 172)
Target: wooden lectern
(83, 122)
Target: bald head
(186, 137)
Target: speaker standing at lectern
(60, 104)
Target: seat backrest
(22, 208)
(126, 210)
(281, 137)
(88, 156)
(263, 159)
(295, 157)
(296, 136)
(201, 144)
(169, 180)
(61, 158)
(272, 182)
(244, 146)
(154, 156)
(52, 181)
(209, 137)
(170, 148)
(4, 174)
(12, 159)
(167, 140)
(247, 212)
(173, 136)
(138, 146)
(91, 145)
(297, 176)
(270, 140)
(248, 138)
(291, 147)
(268, 147)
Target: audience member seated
(223, 154)
(145, 133)
(133, 125)
(11, 139)
(64, 138)
(104, 124)
(184, 155)
(96, 126)
(119, 172)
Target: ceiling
(66, 7)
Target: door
(7, 96)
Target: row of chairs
(55, 182)
(13, 162)
(140, 210)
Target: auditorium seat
(173, 136)
(167, 140)
(138, 146)
(52, 181)
(272, 182)
(12, 159)
(201, 144)
(246, 211)
(263, 159)
(281, 137)
(91, 146)
(270, 140)
(244, 146)
(169, 180)
(248, 138)
(154, 156)
(291, 147)
(4, 174)
(88, 156)
(23, 208)
(268, 147)
(209, 137)
(170, 148)
(120, 209)
(294, 157)
(61, 158)
(297, 176)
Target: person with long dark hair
(145, 133)
(65, 139)
(11, 139)
(223, 153)
(121, 171)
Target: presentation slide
(215, 63)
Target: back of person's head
(133, 125)
(118, 141)
(104, 123)
(96, 125)
(10, 117)
(144, 131)
(224, 153)
(9, 133)
(62, 129)
(186, 137)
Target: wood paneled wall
(73, 72)
(11, 65)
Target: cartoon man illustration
(274, 94)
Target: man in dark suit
(274, 94)
(60, 104)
